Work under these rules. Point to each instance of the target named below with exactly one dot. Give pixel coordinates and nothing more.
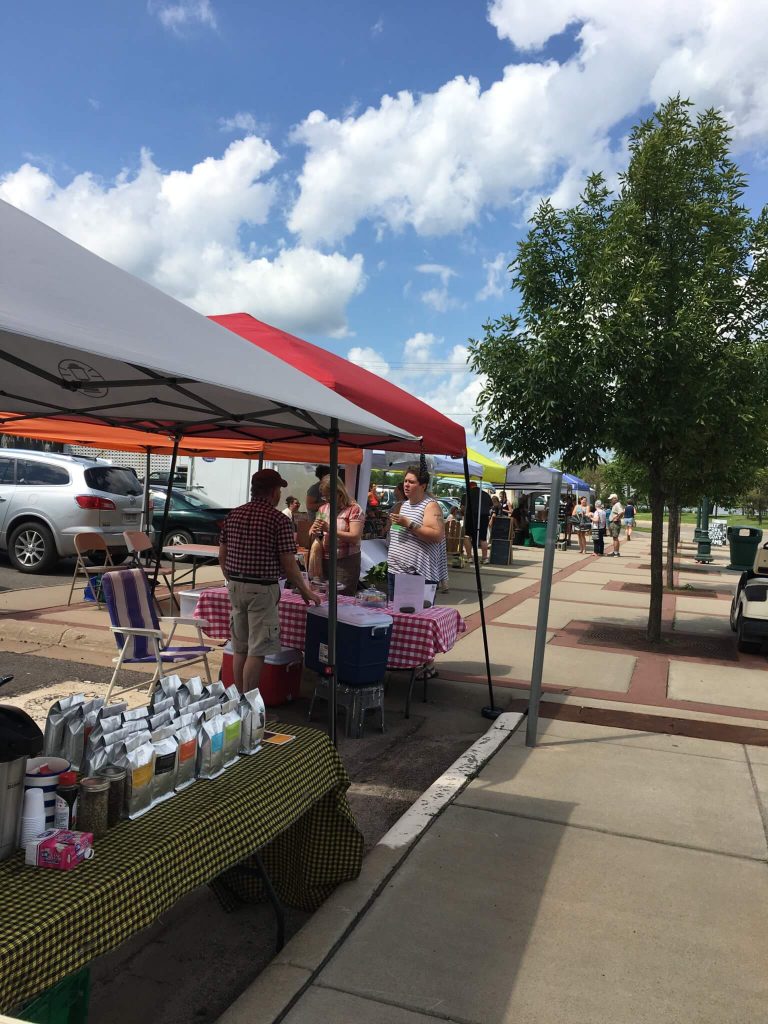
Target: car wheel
(31, 548)
(746, 646)
(174, 537)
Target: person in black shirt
(480, 506)
(314, 499)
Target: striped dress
(408, 554)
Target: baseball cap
(268, 478)
(612, 496)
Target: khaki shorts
(254, 623)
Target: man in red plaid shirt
(257, 546)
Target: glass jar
(116, 797)
(93, 806)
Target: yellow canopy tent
(493, 472)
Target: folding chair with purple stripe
(138, 632)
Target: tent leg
(547, 566)
(333, 498)
(491, 711)
(166, 508)
(145, 517)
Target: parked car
(749, 612)
(45, 499)
(446, 504)
(193, 518)
(161, 478)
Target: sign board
(718, 531)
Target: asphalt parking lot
(12, 579)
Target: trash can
(744, 542)
(538, 534)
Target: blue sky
(358, 173)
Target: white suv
(46, 499)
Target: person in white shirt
(615, 517)
(292, 505)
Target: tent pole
(491, 711)
(261, 461)
(547, 566)
(333, 498)
(145, 517)
(166, 508)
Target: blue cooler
(363, 636)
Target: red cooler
(227, 669)
(280, 680)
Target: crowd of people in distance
(597, 521)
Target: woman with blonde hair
(349, 532)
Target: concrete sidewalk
(606, 875)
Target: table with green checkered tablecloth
(288, 802)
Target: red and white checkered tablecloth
(416, 638)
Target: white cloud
(418, 348)
(438, 298)
(180, 230)
(444, 273)
(495, 271)
(433, 162)
(180, 15)
(239, 122)
(369, 359)
(377, 28)
(94, 104)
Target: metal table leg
(410, 691)
(261, 872)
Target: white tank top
(409, 554)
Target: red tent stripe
(367, 390)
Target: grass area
(690, 517)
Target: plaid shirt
(256, 534)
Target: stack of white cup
(32, 816)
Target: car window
(6, 471)
(29, 473)
(113, 480)
(196, 501)
(177, 505)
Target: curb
(48, 634)
(279, 986)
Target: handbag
(315, 559)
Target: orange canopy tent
(96, 435)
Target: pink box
(58, 848)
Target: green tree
(755, 500)
(651, 305)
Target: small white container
(46, 780)
(32, 816)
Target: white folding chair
(138, 633)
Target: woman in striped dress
(417, 534)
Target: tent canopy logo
(75, 371)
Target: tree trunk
(673, 526)
(657, 559)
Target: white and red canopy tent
(84, 341)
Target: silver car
(46, 499)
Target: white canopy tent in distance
(84, 341)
